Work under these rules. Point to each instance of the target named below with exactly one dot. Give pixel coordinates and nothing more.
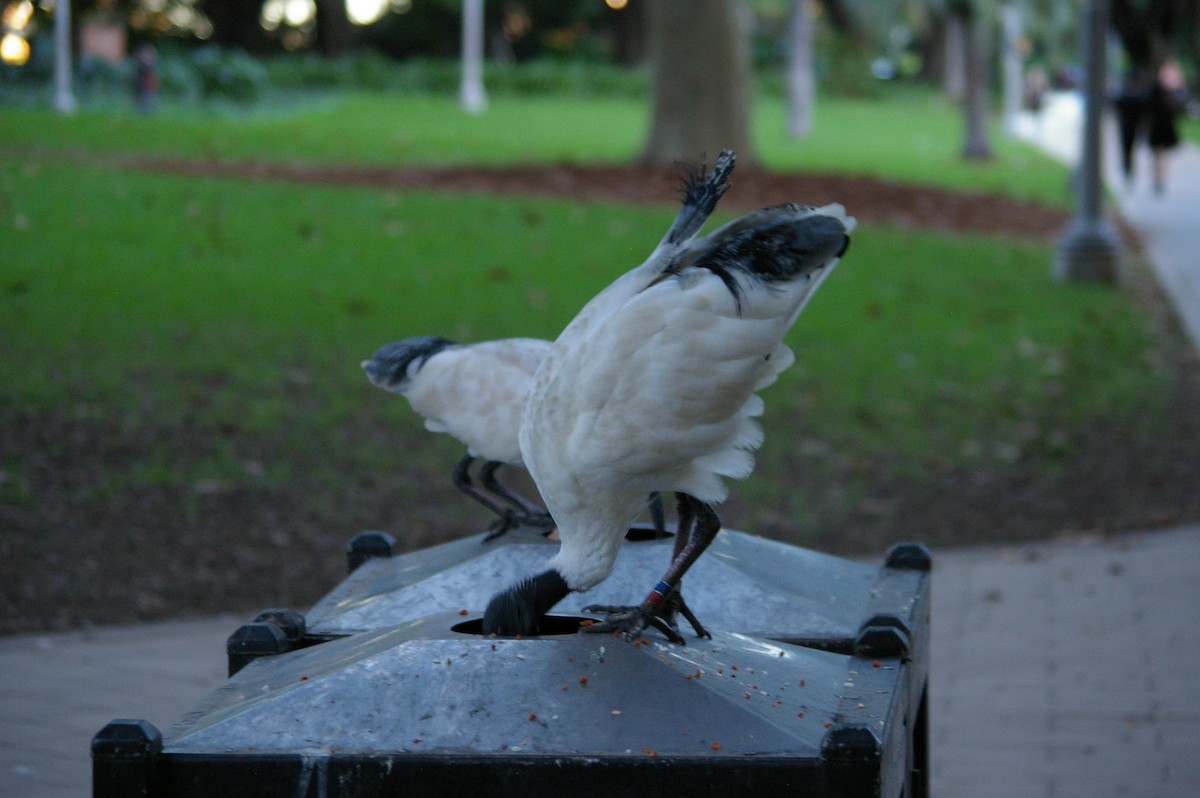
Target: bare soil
(76, 550)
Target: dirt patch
(870, 199)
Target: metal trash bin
(814, 684)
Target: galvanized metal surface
(424, 688)
(743, 583)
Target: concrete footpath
(1059, 669)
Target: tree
(701, 97)
(977, 18)
(1152, 30)
(335, 36)
(237, 24)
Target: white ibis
(653, 387)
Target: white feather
(652, 388)
(475, 392)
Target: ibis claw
(631, 622)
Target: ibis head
(394, 364)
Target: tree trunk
(954, 56)
(236, 24)
(801, 84)
(335, 35)
(700, 57)
(976, 105)
(629, 34)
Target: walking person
(1164, 101)
(1130, 106)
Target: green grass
(155, 301)
(1190, 128)
(913, 137)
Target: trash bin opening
(641, 534)
(551, 625)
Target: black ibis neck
(519, 609)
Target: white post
(1013, 77)
(471, 95)
(800, 83)
(64, 98)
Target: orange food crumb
(532, 716)
(716, 746)
(582, 681)
(587, 622)
(462, 612)
(875, 663)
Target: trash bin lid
(743, 583)
(423, 687)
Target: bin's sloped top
(424, 689)
(743, 583)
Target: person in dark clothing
(145, 79)
(1130, 106)
(1164, 101)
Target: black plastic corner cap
(368, 546)
(290, 622)
(253, 640)
(882, 642)
(850, 743)
(127, 738)
(909, 557)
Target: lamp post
(1010, 17)
(64, 98)
(471, 95)
(1089, 251)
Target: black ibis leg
(659, 608)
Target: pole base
(1088, 252)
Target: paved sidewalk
(1061, 669)
(1067, 669)
(57, 691)
(1169, 224)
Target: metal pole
(800, 84)
(471, 96)
(1010, 17)
(1089, 250)
(64, 98)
